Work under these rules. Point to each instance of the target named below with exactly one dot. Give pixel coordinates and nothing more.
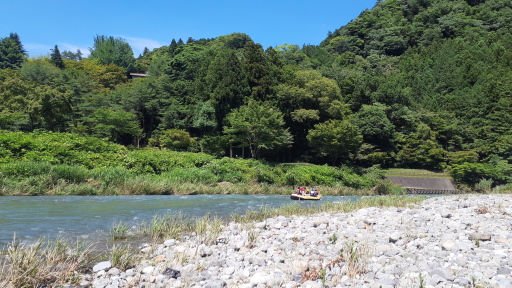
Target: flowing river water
(92, 217)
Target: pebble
(444, 241)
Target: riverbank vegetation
(407, 84)
(50, 163)
(42, 264)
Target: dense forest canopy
(409, 83)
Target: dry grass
(356, 256)
(42, 264)
(208, 229)
(482, 209)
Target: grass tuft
(119, 231)
(356, 256)
(123, 256)
(42, 264)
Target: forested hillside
(409, 83)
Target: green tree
(175, 139)
(421, 150)
(19, 105)
(258, 126)
(11, 54)
(106, 76)
(110, 50)
(114, 124)
(142, 98)
(56, 58)
(335, 139)
(290, 54)
(375, 126)
(75, 56)
(16, 38)
(228, 84)
(204, 119)
(258, 71)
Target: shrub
(158, 161)
(387, 188)
(484, 186)
(191, 175)
(24, 169)
(498, 171)
(112, 176)
(71, 174)
(231, 170)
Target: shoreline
(448, 241)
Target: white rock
(312, 284)
(101, 266)
(114, 272)
(229, 270)
(260, 278)
(448, 245)
(146, 250)
(148, 270)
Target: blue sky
(72, 25)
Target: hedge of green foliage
(60, 163)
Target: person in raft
(314, 192)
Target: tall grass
(119, 231)
(207, 229)
(502, 189)
(123, 256)
(166, 226)
(356, 256)
(42, 264)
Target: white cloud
(35, 49)
(138, 44)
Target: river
(92, 217)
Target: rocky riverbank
(449, 241)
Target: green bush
(498, 171)
(112, 176)
(484, 185)
(71, 174)
(387, 188)
(25, 169)
(60, 148)
(191, 175)
(232, 170)
(158, 161)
